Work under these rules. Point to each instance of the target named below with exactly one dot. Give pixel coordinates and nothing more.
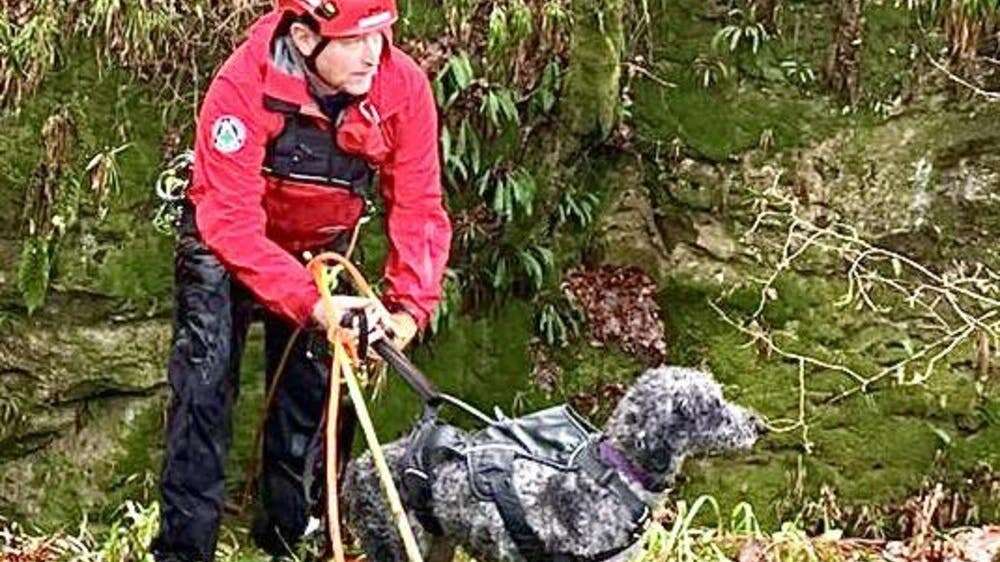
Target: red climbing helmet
(344, 18)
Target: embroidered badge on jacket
(228, 134)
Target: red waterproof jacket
(256, 224)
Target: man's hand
(399, 327)
(349, 306)
(403, 328)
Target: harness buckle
(606, 476)
(369, 112)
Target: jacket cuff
(303, 310)
(394, 305)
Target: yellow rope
(344, 359)
(322, 277)
(253, 468)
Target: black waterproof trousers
(211, 316)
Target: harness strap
(310, 59)
(530, 545)
(431, 441)
(592, 463)
(431, 438)
(515, 521)
(417, 473)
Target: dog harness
(557, 437)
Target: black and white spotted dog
(668, 414)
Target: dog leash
(421, 384)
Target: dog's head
(672, 412)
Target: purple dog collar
(614, 457)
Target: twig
(648, 74)
(759, 336)
(990, 96)
(959, 302)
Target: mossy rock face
(746, 102)
(591, 106)
(87, 370)
(720, 101)
(872, 448)
(78, 386)
(922, 183)
(103, 240)
(628, 231)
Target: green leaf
(500, 273)
(33, 272)
(461, 68)
(497, 202)
(548, 257)
(445, 144)
(508, 106)
(497, 31)
(524, 188)
(720, 36)
(459, 166)
(942, 435)
(483, 183)
(520, 20)
(546, 93)
(533, 268)
(491, 106)
(473, 151)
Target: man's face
(347, 64)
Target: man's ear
(304, 38)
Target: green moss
(141, 268)
(420, 19)
(733, 114)
(758, 95)
(482, 360)
(590, 105)
(873, 449)
(117, 253)
(891, 34)
(33, 272)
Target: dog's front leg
(441, 550)
(629, 554)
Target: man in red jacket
(290, 134)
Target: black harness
(557, 437)
(304, 152)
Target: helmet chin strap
(310, 59)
